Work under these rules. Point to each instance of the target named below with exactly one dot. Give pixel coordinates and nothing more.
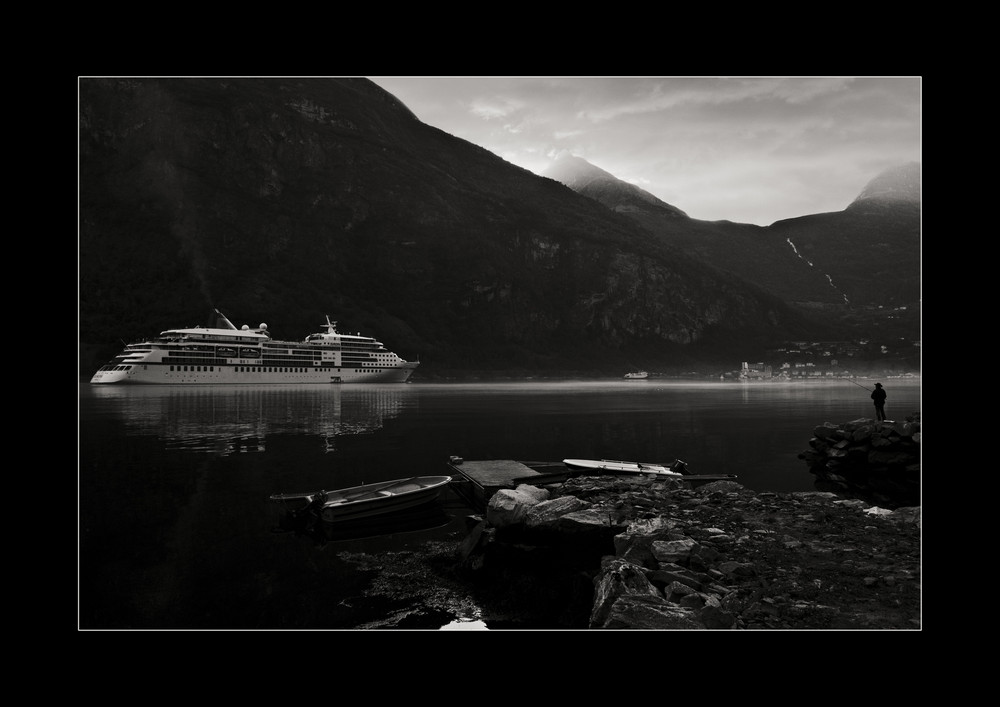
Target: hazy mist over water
(175, 520)
(754, 430)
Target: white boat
(367, 500)
(675, 470)
(623, 467)
(637, 375)
(223, 354)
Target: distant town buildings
(796, 360)
(755, 370)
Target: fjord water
(177, 531)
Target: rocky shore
(629, 552)
(875, 461)
(663, 556)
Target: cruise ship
(222, 354)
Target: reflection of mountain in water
(234, 419)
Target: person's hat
(878, 385)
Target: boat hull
(369, 500)
(621, 467)
(424, 517)
(609, 466)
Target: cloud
(494, 109)
(747, 149)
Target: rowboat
(366, 500)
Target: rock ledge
(646, 553)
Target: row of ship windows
(211, 351)
(272, 369)
(241, 369)
(196, 359)
(255, 369)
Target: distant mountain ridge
(896, 184)
(867, 254)
(590, 180)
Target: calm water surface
(176, 530)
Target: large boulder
(676, 551)
(634, 611)
(616, 579)
(511, 506)
(552, 510)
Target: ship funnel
(219, 321)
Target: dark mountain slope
(866, 255)
(871, 250)
(871, 254)
(744, 250)
(282, 200)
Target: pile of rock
(875, 461)
(634, 552)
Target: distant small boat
(637, 375)
(366, 500)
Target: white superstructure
(222, 354)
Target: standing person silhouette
(878, 395)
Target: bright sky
(747, 149)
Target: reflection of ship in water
(234, 419)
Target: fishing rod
(852, 381)
(858, 384)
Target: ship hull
(160, 374)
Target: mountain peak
(567, 168)
(581, 176)
(900, 183)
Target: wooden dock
(479, 480)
